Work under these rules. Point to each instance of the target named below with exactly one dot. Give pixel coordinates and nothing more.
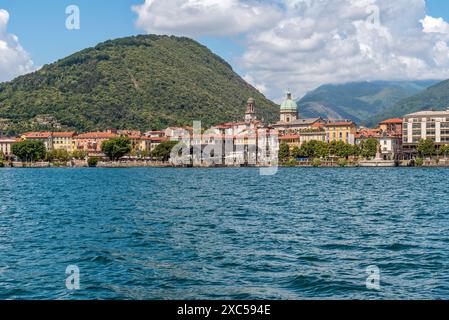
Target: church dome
(289, 104)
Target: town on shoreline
(418, 139)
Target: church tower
(250, 114)
(289, 109)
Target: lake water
(224, 233)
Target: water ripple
(224, 234)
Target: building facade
(343, 131)
(6, 146)
(433, 125)
(63, 141)
(91, 142)
(44, 137)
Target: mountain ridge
(139, 82)
(358, 101)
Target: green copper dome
(289, 104)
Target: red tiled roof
(392, 121)
(63, 134)
(368, 133)
(37, 135)
(290, 137)
(97, 135)
(157, 139)
(340, 124)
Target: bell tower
(250, 114)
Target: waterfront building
(151, 143)
(290, 122)
(63, 141)
(315, 133)
(92, 141)
(391, 146)
(433, 125)
(292, 140)
(6, 146)
(179, 134)
(365, 134)
(44, 137)
(343, 131)
(393, 126)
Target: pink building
(92, 141)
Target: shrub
(419, 162)
(291, 163)
(342, 163)
(2, 164)
(92, 162)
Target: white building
(6, 145)
(433, 125)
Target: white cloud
(435, 25)
(204, 17)
(14, 60)
(335, 41)
(301, 44)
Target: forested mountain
(358, 101)
(141, 82)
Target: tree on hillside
(29, 150)
(284, 152)
(163, 150)
(116, 148)
(426, 147)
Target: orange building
(393, 126)
(92, 141)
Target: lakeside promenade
(442, 163)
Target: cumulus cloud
(338, 41)
(313, 42)
(204, 17)
(14, 60)
(435, 25)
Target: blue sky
(40, 27)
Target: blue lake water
(224, 233)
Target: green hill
(141, 82)
(358, 101)
(435, 97)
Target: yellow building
(292, 140)
(316, 133)
(63, 141)
(341, 131)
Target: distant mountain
(358, 101)
(435, 97)
(141, 82)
